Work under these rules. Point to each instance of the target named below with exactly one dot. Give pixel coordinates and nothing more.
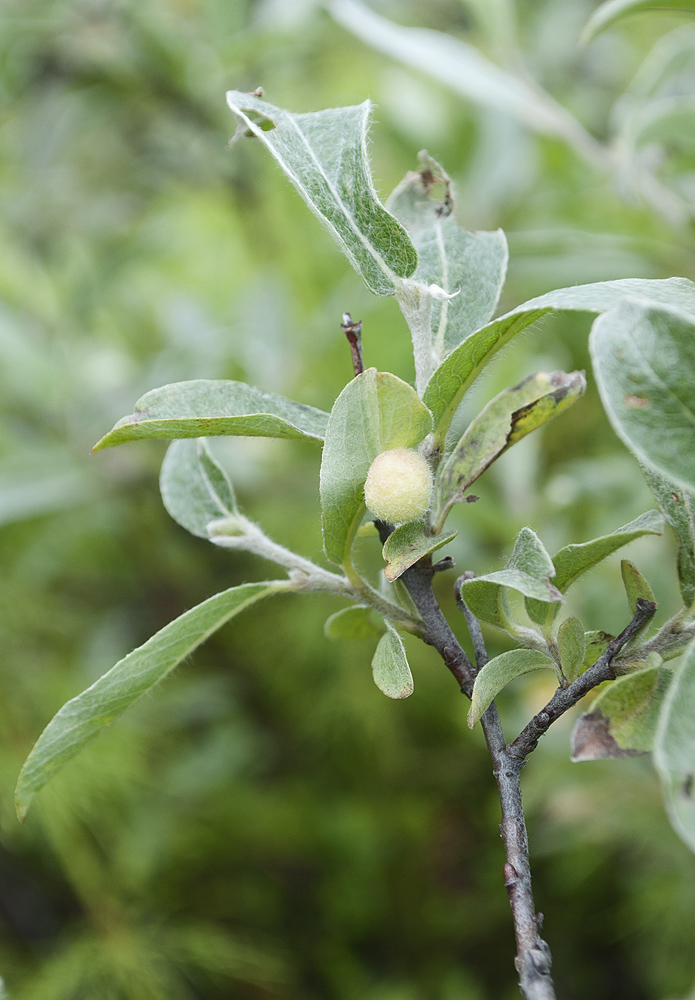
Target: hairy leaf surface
(506, 419)
(678, 507)
(390, 667)
(459, 370)
(528, 571)
(644, 361)
(80, 720)
(407, 545)
(208, 408)
(674, 749)
(324, 154)
(468, 266)
(355, 622)
(498, 672)
(195, 490)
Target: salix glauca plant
(393, 465)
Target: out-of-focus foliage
(268, 825)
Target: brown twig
(353, 331)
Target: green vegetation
(266, 824)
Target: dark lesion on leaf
(592, 740)
(636, 402)
(688, 786)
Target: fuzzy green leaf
(498, 672)
(324, 155)
(528, 571)
(375, 412)
(354, 622)
(459, 275)
(674, 749)
(596, 645)
(611, 11)
(80, 720)
(635, 585)
(390, 666)
(459, 370)
(573, 560)
(471, 266)
(195, 490)
(678, 507)
(506, 419)
(571, 644)
(206, 407)
(407, 545)
(644, 362)
(623, 719)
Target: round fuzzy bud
(398, 486)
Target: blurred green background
(267, 825)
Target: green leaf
(674, 749)
(390, 666)
(205, 408)
(644, 362)
(468, 266)
(623, 719)
(375, 412)
(354, 622)
(596, 645)
(80, 720)
(573, 560)
(571, 644)
(635, 585)
(528, 571)
(498, 672)
(506, 419)
(611, 11)
(459, 370)
(195, 490)
(324, 154)
(678, 507)
(407, 545)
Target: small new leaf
(635, 585)
(390, 666)
(528, 571)
(324, 155)
(498, 672)
(571, 644)
(207, 407)
(352, 623)
(407, 545)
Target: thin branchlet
(565, 698)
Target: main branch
(533, 959)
